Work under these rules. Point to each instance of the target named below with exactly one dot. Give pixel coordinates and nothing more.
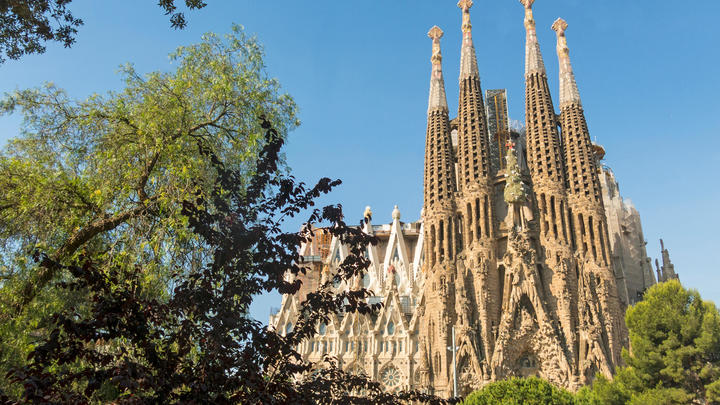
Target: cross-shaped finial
(435, 33)
(527, 3)
(560, 26)
(465, 4)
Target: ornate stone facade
(528, 263)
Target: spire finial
(465, 6)
(396, 213)
(368, 214)
(533, 57)
(569, 93)
(560, 26)
(435, 34)
(468, 60)
(437, 84)
(529, 20)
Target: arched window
(390, 328)
(288, 328)
(322, 329)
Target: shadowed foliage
(105, 177)
(26, 25)
(198, 346)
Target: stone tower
(478, 293)
(440, 226)
(600, 347)
(547, 171)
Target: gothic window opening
(543, 214)
(469, 222)
(478, 230)
(572, 229)
(450, 234)
(441, 241)
(432, 245)
(602, 242)
(562, 218)
(592, 237)
(582, 231)
(554, 216)
(486, 212)
(459, 230)
(501, 275)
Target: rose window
(390, 377)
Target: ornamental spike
(533, 57)
(437, 99)
(569, 93)
(468, 59)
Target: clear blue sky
(359, 70)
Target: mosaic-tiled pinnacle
(468, 59)
(437, 98)
(533, 57)
(569, 93)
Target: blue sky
(359, 70)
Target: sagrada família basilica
(524, 258)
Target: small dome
(396, 213)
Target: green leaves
(674, 341)
(106, 176)
(520, 391)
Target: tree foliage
(26, 25)
(520, 391)
(104, 178)
(675, 352)
(197, 347)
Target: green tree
(105, 177)
(196, 346)
(675, 352)
(26, 25)
(520, 391)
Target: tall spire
(468, 60)
(587, 212)
(569, 93)
(439, 167)
(473, 154)
(533, 57)
(580, 160)
(437, 84)
(440, 224)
